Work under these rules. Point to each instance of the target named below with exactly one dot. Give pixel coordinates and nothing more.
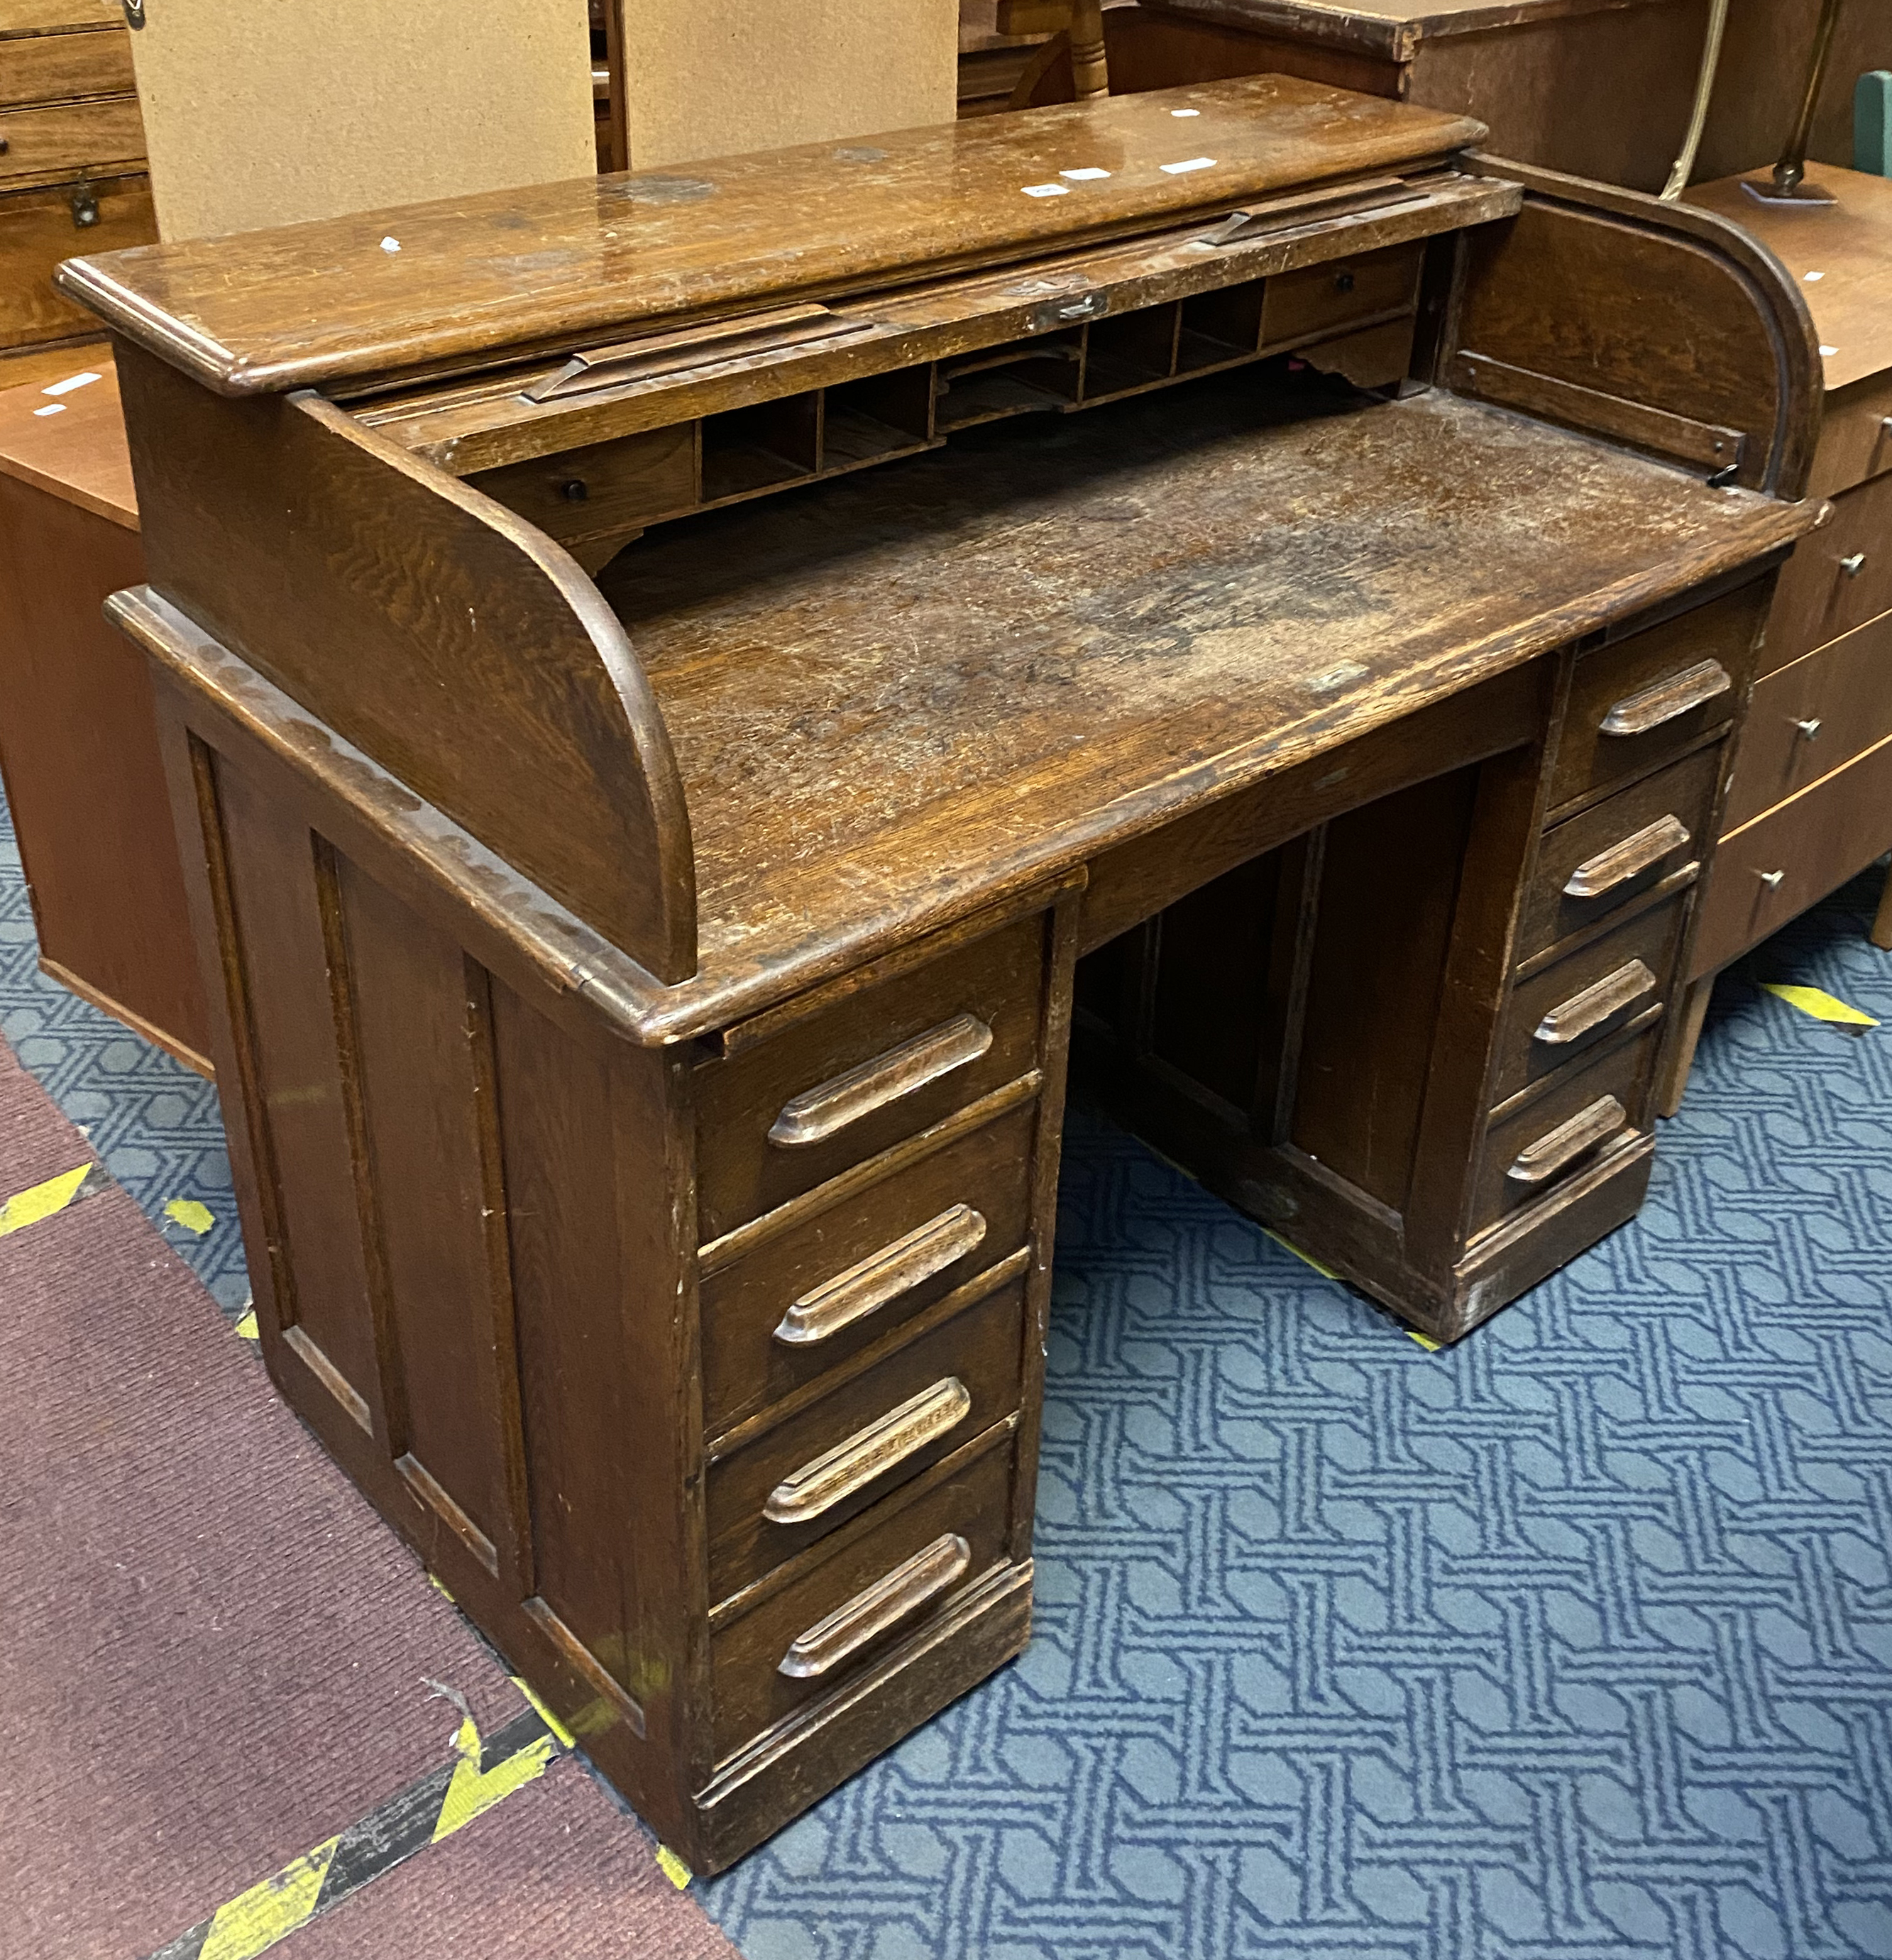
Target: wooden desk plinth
(658, 917)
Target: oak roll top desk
(1312, 569)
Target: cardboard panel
(261, 116)
(717, 78)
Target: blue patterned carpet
(1574, 1643)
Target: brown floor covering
(213, 1655)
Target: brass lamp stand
(1787, 184)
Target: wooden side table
(1810, 805)
(78, 747)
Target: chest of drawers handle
(1637, 713)
(1537, 1162)
(909, 1261)
(877, 1608)
(818, 1113)
(1622, 861)
(1594, 1004)
(835, 1475)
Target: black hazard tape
(481, 1775)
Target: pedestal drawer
(1340, 293)
(1569, 1008)
(787, 1312)
(54, 68)
(1592, 862)
(800, 1479)
(1595, 1107)
(1808, 719)
(1640, 699)
(1839, 576)
(915, 1552)
(778, 1117)
(1771, 871)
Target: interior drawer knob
(837, 1474)
(1853, 564)
(1594, 1004)
(1621, 862)
(877, 1609)
(1537, 1162)
(817, 1113)
(1650, 707)
(910, 1261)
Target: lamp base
(1764, 190)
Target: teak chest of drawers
(1282, 667)
(72, 172)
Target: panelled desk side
(648, 1129)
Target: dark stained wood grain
(519, 678)
(521, 269)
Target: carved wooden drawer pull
(1621, 862)
(817, 1113)
(1637, 713)
(1537, 1162)
(877, 1607)
(882, 1276)
(850, 1466)
(1595, 1004)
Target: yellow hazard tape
(246, 1326)
(188, 1213)
(1822, 1006)
(473, 1790)
(255, 1920)
(674, 1868)
(1426, 1340)
(566, 1740)
(41, 1201)
(1326, 1272)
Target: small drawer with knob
(1560, 1013)
(1592, 863)
(1839, 576)
(1809, 719)
(793, 1304)
(774, 1490)
(70, 137)
(824, 1619)
(1650, 694)
(1544, 1139)
(603, 489)
(1340, 295)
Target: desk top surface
(65, 435)
(1390, 28)
(890, 697)
(1841, 254)
(470, 279)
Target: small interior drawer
(1590, 1112)
(73, 136)
(1641, 699)
(787, 1312)
(797, 1482)
(53, 67)
(1809, 718)
(603, 487)
(1561, 1013)
(918, 1554)
(778, 1117)
(1340, 293)
(1839, 576)
(1593, 862)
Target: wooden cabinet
(1808, 809)
(72, 175)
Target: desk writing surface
(310, 304)
(1061, 632)
(1390, 26)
